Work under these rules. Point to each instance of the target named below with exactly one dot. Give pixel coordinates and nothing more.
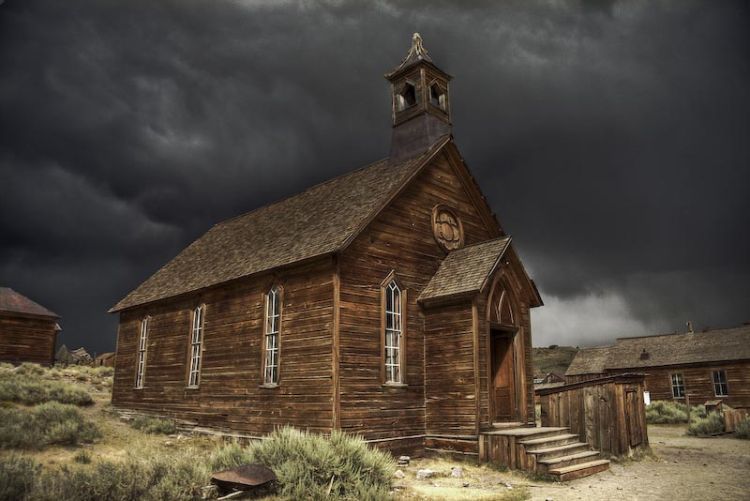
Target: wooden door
(502, 377)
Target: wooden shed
(387, 302)
(28, 331)
(709, 365)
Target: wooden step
(568, 460)
(500, 426)
(559, 450)
(549, 441)
(579, 470)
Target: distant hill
(555, 359)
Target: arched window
(196, 346)
(140, 366)
(501, 306)
(393, 341)
(271, 337)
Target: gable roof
(319, 221)
(465, 270)
(589, 361)
(685, 348)
(15, 303)
(715, 345)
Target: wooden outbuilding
(105, 359)
(387, 302)
(709, 365)
(28, 331)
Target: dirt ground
(680, 468)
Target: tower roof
(417, 54)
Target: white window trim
(271, 337)
(720, 383)
(140, 367)
(196, 346)
(677, 384)
(393, 344)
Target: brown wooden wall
(699, 383)
(401, 239)
(229, 394)
(607, 413)
(26, 339)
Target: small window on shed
(721, 389)
(678, 386)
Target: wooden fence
(608, 413)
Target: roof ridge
(309, 188)
(475, 244)
(683, 333)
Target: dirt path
(683, 468)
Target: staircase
(552, 451)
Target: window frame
(402, 332)
(196, 348)
(140, 358)
(677, 385)
(721, 383)
(272, 382)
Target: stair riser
(581, 473)
(554, 443)
(566, 452)
(543, 468)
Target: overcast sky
(611, 138)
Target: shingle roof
(13, 302)
(687, 348)
(589, 361)
(318, 221)
(465, 270)
(666, 349)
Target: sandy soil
(680, 468)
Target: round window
(447, 228)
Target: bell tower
(420, 103)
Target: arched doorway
(503, 354)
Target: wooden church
(388, 302)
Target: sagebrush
(148, 424)
(311, 466)
(31, 384)
(666, 412)
(45, 424)
(743, 429)
(712, 424)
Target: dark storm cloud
(610, 137)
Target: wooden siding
(26, 339)
(400, 238)
(699, 383)
(607, 413)
(230, 393)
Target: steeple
(420, 102)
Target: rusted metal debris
(245, 477)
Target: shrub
(32, 391)
(712, 424)
(83, 456)
(307, 465)
(17, 475)
(45, 424)
(149, 424)
(663, 412)
(29, 369)
(743, 429)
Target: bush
(149, 424)
(83, 456)
(132, 480)
(45, 424)
(307, 465)
(712, 424)
(663, 412)
(29, 369)
(32, 391)
(17, 475)
(743, 429)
